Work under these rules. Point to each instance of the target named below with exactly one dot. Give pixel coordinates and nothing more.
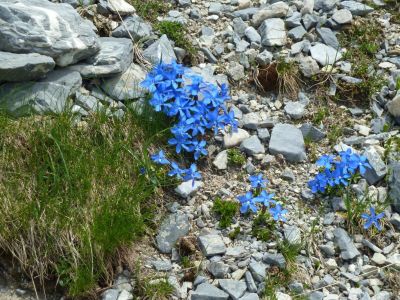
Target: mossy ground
(73, 194)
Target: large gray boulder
(48, 95)
(394, 108)
(52, 29)
(160, 50)
(287, 140)
(115, 56)
(24, 67)
(394, 185)
(125, 86)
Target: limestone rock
(115, 56)
(43, 27)
(125, 86)
(24, 67)
(287, 140)
(48, 95)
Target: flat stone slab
(160, 51)
(324, 54)
(211, 245)
(273, 32)
(234, 288)
(346, 245)
(378, 168)
(287, 140)
(172, 228)
(356, 8)
(252, 146)
(48, 95)
(24, 67)
(206, 291)
(134, 27)
(51, 29)
(114, 57)
(125, 86)
(276, 259)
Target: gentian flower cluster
(337, 171)
(195, 104)
(258, 195)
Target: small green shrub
(362, 41)
(226, 211)
(320, 115)
(334, 133)
(235, 157)
(150, 9)
(177, 32)
(263, 227)
(234, 233)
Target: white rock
(121, 7)
(235, 138)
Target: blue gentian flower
(192, 174)
(341, 176)
(198, 148)
(215, 120)
(360, 162)
(142, 170)
(247, 203)
(278, 213)
(338, 171)
(176, 171)
(265, 199)
(372, 219)
(160, 158)
(257, 181)
(325, 161)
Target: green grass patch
(362, 41)
(178, 33)
(150, 9)
(334, 133)
(320, 115)
(226, 210)
(73, 194)
(235, 157)
(263, 227)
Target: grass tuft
(362, 41)
(263, 227)
(150, 9)
(72, 194)
(235, 157)
(177, 32)
(226, 211)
